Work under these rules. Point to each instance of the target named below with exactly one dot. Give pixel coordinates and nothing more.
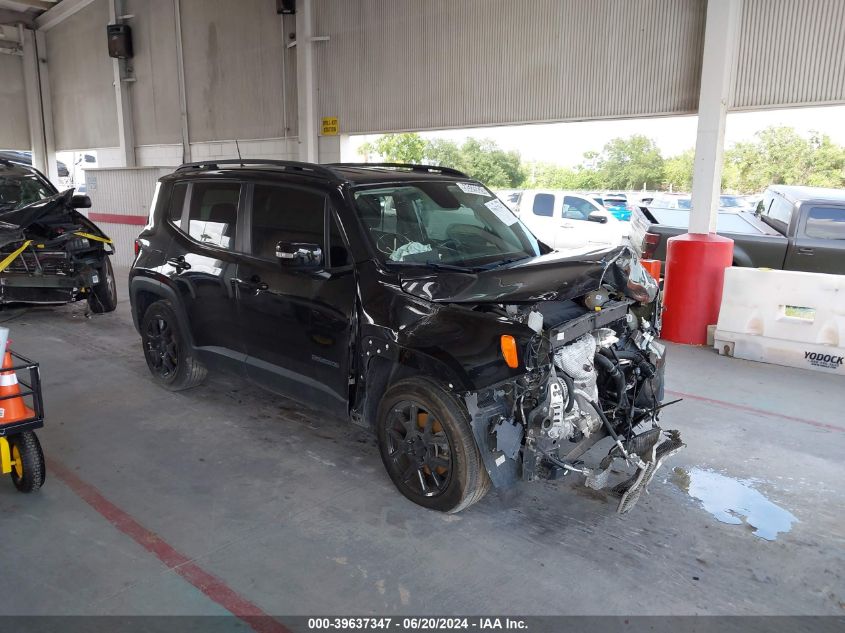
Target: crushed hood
(551, 277)
(57, 205)
(55, 211)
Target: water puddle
(734, 501)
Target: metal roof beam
(59, 13)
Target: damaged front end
(592, 370)
(50, 253)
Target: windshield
(450, 224)
(731, 201)
(20, 189)
(671, 202)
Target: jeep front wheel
(168, 356)
(427, 447)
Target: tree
(443, 152)
(487, 162)
(677, 171)
(407, 147)
(779, 155)
(630, 163)
(550, 176)
(481, 159)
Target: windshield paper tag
(501, 211)
(478, 190)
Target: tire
(103, 296)
(29, 472)
(169, 358)
(442, 433)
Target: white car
(566, 219)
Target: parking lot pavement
(226, 497)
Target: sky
(565, 143)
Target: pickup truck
(792, 228)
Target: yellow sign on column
(329, 126)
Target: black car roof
(351, 173)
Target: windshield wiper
(437, 266)
(502, 262)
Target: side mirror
(299, 255)
(79, 201)
(597, 216)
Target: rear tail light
(650, 243)
(137, 247)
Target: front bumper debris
(648, 451)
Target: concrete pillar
(696, 261)
(305, 88)
(32, 87)
(180, 78)
(38, 103)
(717, 79)
(122, 78)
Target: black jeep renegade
(411, 301)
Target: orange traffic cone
(12, 409)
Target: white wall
(81, 80)
(14, 126)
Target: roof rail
(423, 169)
(317, 170)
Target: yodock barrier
(783, 317)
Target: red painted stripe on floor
(118, 218)
(742, 407)
(207, 583)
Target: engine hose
(606, 423)
(616, 374)
(643, 364)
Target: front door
(202, 260)
(818, 245)
(576, 231)
(296, 324)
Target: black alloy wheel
(427, 446)
(169, 359)
(418, 449)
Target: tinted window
(544, 204)
(285, 214)
(780, 213)
(213, 213)
(338, 253)
(177, 203)
(575, 208)
(826, 223)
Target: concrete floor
(290, 512)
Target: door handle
(179, 263)
(804, 250)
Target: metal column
(696, 261)
(307, 128)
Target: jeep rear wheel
(427, 447)
(168, 357)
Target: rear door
(819, 245)
(202, 261)
(296, 324)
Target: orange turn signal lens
(509, 351)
